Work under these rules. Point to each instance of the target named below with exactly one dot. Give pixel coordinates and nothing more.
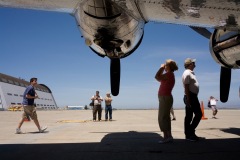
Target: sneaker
(42, 129)
(18, 131)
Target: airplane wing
(200, 13)
(67, 6)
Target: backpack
(92, 103)
(209, 105)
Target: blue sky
(49, 46)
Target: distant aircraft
(115, 28)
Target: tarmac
(132, 134)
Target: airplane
(115, 28)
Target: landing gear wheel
(115, 75)
(225, 80)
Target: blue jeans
(108, 109)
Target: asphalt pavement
(132, 134)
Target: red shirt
(166, 85)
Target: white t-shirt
(213, 102)
(97, 102)
(189, 77)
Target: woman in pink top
(167, 81)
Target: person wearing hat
(108, 106)
(167, 82)
(191, 89)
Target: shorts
(29, 110)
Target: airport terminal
(12, 89)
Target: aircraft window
(13, 103)
(10, 81)
(21, 84)
(4, 80)
(15, 94)
(9, 94)
(21, 95)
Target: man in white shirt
(191, 89)
(97, 106)
(213, 103)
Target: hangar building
(12, 89)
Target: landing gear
(225, 80)
(115, 75)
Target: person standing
(167, 82)
(97, 108)
(191, 90)
(108, 107)
(213, 104)
(29, 108)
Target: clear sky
(48, 45)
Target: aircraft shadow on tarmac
(126, 145)
(232, 131)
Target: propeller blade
(225, 80)
(203, 31)
(115, 75)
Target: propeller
(225, 81)
(115, 75)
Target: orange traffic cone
(202, 108)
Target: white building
(12, 89)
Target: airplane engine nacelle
(225, 48)
(108, 29)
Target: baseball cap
(189, 61)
